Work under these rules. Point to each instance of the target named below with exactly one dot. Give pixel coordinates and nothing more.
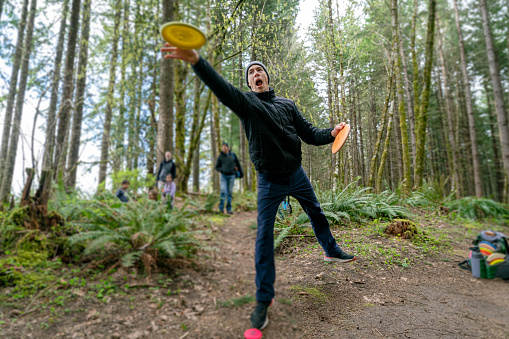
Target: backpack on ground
(489, 256)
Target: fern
(134, 228)
(478, 208)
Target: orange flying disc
(182, 35)
(340, 138)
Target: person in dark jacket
(274, 128)
(229, 167)
(121, 192)
(166, 167)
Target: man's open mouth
(258, 82)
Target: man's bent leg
(302, 190)
(269, 198)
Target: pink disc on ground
(253, 333)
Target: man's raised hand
(188, 55)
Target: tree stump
(34, 210)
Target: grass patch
(236, 302)
(303, 291)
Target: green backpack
(489, 257)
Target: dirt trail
(432, 298)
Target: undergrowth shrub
(246, 201)
(478, 208)
(209, 205)
(429, 194)
(357, 203)
(142, 234)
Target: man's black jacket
(165, 168)
(273, 125)
(226, 163)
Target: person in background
(169, 190)
(228, 165)
(121, 192)
(166, 167)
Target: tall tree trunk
(105, 142)
(242, 134)
(386, 149)
(407, 179)
(120, 156)
(165, 124)
(456, 185)
(181, 71)
(361, 142)
(213, 147)
(67, 96)
(372, 167)
(196, 168)
(417, 91)
(196, 129)
(498, 91)
(20, 100)
(408, 92)
(499, 183)
(72, 166)
(217, 134)
(151, 156)
(333, 85)
(423, 109)
(470, 110)
(49, 143)
(333, 159)
(355, 146)
(13, 85)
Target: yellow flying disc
(182, 35)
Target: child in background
(121, 192)
(169, 190)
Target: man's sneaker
(229, 212)
(259, 317)
(341, 257)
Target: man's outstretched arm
(228, 94)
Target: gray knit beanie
(257, 63)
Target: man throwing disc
(274, 128)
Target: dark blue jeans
(227, 182)
(272, 189)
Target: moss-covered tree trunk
(422, 120)
(417, 91)
(386, 149)
(388, 96)
(407, 179)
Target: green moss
(317, 295)
(33, 241)
(18, 215)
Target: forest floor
(395, 289)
